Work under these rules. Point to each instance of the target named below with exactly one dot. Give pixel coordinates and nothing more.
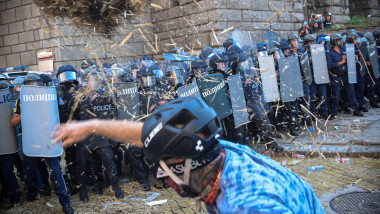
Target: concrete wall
(339, 8)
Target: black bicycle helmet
(183, 128)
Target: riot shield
(373, 58)
(214, 92)
(272, 39)
(39, 108)
(305, 66)
(178, 57)
(189, 90)
(269, 78)
(351, 63)
(8, 143)
(128, 101)
(318, 55)
(363, 53)
(239, 105)
(245, 41)
(290, 79)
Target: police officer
(94, 102)
(315, 89)
(9, 182)
(337, 64)
(373, 85)
(67, 87)
(33, 162)
(199, 67)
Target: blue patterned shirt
(254, 183)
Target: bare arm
(128, 132)
(16, 120)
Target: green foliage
(357, 21)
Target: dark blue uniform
(339, 79)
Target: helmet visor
(67, 76)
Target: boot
(374, 105)
(67, 209)
(83, 195)
(97, 189)
(145, 183)
(362, 108)
(276, 147)
(346, 110)
(293, 131)
(358, 113)
(117, 190)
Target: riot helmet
(350, 31)
(199, 67)
(147, 78)
(205, 54)
(369, 36)
(86, 64)
(184, 128)
(66, 73)
(284, 46)
(233, 49)
(32, 79)
(18, 82)
(334, 39)
(228, 43)
(376, 34)
(276, 52)
(116, 73)
(262, 50)
(351, 38)
(293, 40)
(160, 76)
(46, 80)
(4, 84)
(146, 61)
(175, 75)
(219, 62)
(308, 38)
(93, 78)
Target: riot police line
(257, 90)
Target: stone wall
(24, 32)
(338, 8)
(366, 7)
(193, 25)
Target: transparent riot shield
(245, 40)
(290, 79)
(239, 105)
(269, 78)
(305, 66)
(272, 39)
(215, 93)
(189, 90)
(39, 108)
(373, 58)
(318, 55)
(8, 143)
(128, 101)
(363, 54)
(351, 63)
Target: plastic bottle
(343, 160)
(284, 162)
(316, 168)
(300, 156)
(60, 102)
(293, 163)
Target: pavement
(347, 135)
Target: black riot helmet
(219, 62)
(228, 43)
(376, 34)
(175, 75)
(147, 77)
(308, 38)
(33, 79)
(262, 50)
(284, 45)
(233, 49)
(334, 39)
(4, 84)
(66, 73)
(46, 80)
(183, 128)
(276, 52)
(236, 59)
(351, 38)
(199, 67)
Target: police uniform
(31, 174)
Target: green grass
(357, 21)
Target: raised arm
(128, 132)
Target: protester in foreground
(181, 138)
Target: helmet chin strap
(176, 179)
